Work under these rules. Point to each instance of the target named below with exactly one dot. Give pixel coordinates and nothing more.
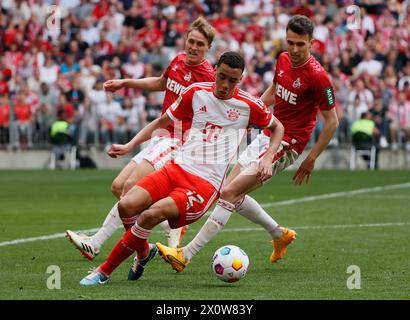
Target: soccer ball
(230, 263)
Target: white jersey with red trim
(218, 127)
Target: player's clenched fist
(112, 85)
(118, 150)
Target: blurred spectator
(399, 116)
(49, 97)
(379, 114)
(82, 11)
(89, 32)
(134, 114)
(97, 95)
(75, 95)
(365, 97)
(61, 133)
(24, 123)
(89, 123)
(244, 9)
(69, 68)
(111, 118)
(365, 135)
(112, 23)
(369, 64)
(66, 108)
(49, 72)
(150, 35)
(303, 9)
(4, 120)
(134, 68)
(43, 118)
(153, 108)
(405, 78)
(356, 108)
(4, 86)
(103, 49)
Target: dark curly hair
(232, 59)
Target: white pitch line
(51, 236)
(385, 196)
(269, 205)
(334, 226)
(337, 195)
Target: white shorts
(285, 156)
(158, 152)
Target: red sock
(118, 254)
(139, 241)
(128, 244)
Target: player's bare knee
(116, 188)
(229, 194)
(126, 208)
(129, 183)
(150, 218)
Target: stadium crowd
(54, 60)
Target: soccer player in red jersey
(182, 191)
(300, 88)
(185, 69)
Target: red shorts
(193, 195)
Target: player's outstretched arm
(268, 97)
(147, 84)
(329, 129)
(142, 136)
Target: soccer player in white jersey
(182, 191)
(300, 88)
(185, 69)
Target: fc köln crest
(296, 83)
(188, 76)
(233, 114)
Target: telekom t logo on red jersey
(286, 94)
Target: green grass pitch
(368, 229)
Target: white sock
(253, 211)
(111, 223)
(165, 226)
(212, 226)
(172, 235)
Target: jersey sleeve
(324, 93)
(168, 69)
(275, 78)
(260, 116)
(182, 107)
(278, 67)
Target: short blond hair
(202, 26)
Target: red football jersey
(180, 76)
(299, 94)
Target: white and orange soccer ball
(230, 263)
